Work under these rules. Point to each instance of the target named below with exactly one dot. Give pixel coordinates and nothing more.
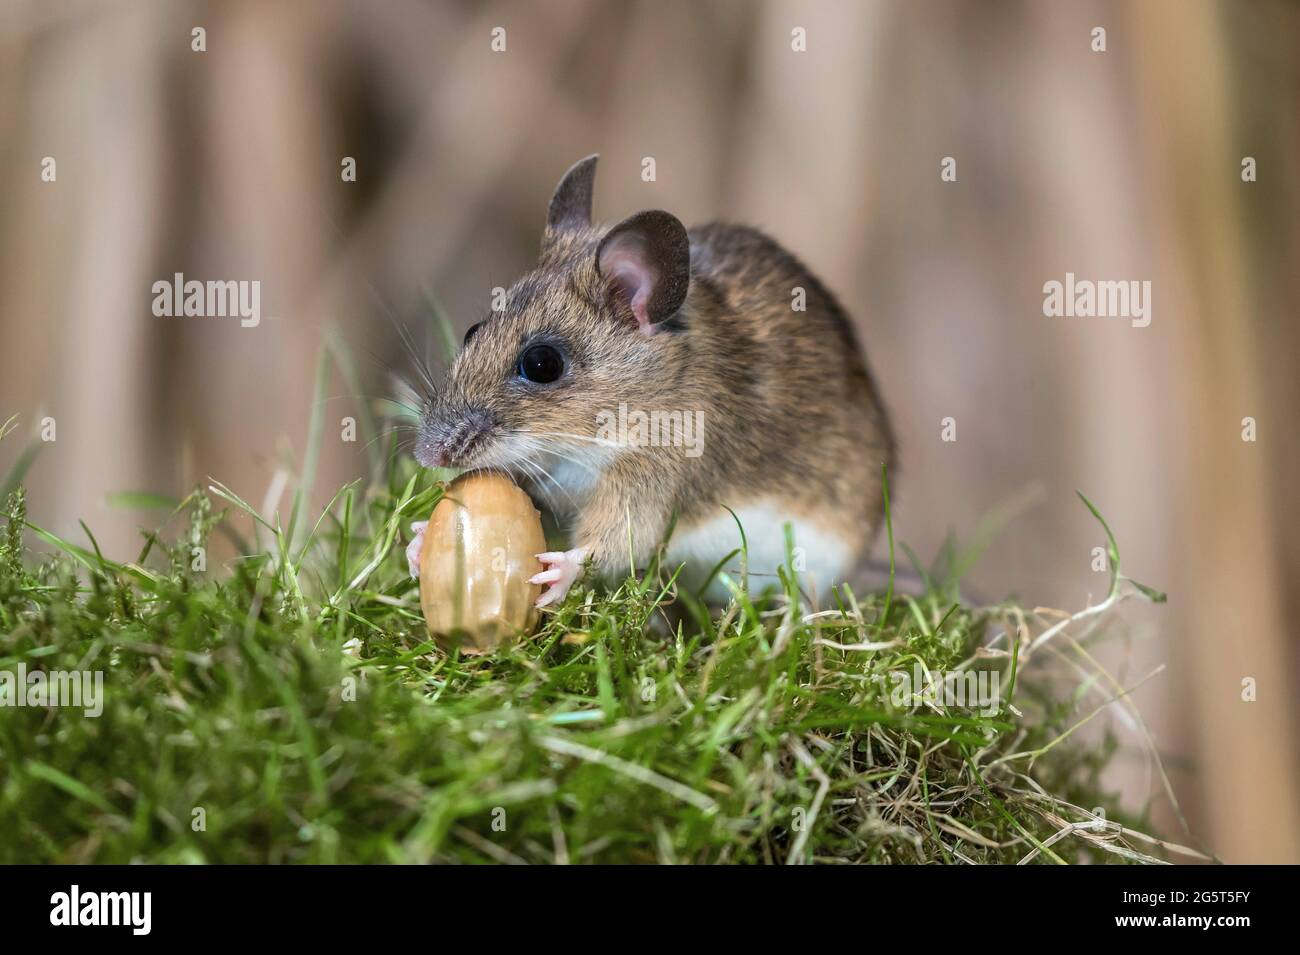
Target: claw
(413, 549)
(563, 568)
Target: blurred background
(1125, 164)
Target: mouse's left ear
(646, 259)
(570, 207)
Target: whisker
(389, 432)
(422, 366)
(576, 462)
(421, 363)
(411, 410)
(550, 477)
(538, 446)
(604, 442)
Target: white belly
(822, 556)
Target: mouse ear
(646, 259)
(570, 207)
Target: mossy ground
(288, 706)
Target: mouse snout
(453, 443)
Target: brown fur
(790, 409)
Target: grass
(288, 707)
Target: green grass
(291, 701)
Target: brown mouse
(642, 372)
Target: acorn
(479, 551)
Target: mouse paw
(413, 549)
(562, 569)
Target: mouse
(645, 377)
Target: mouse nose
(454, 445)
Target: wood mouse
(645, 371)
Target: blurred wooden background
(1118, 165)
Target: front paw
(562, 569)
(413, 549)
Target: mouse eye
(541, 363)
(470, 334)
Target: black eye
(541, 363)
(470, 334)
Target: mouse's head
(597, 323)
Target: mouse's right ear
(570, 208)
(646, 259)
